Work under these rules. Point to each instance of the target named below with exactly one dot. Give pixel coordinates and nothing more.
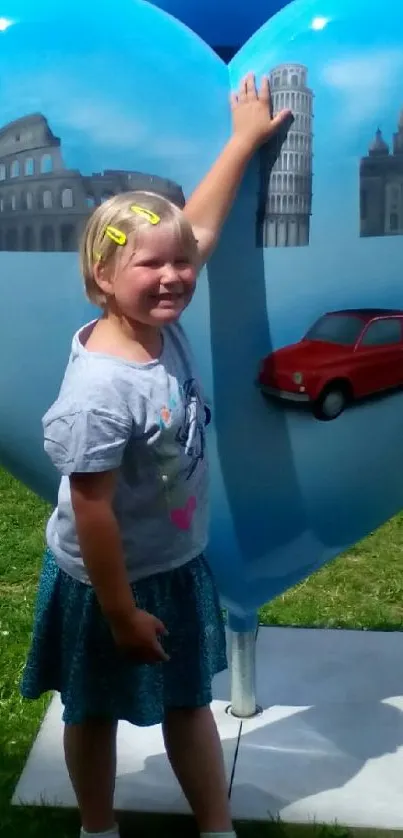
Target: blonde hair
(116, 212)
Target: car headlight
(297, 377)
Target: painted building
(381, 186)
(285, 198)
(44, 205)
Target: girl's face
(153, 283)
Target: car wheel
(331, 403)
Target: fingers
(160, 628)
(247, 91)
(153, 653)
(160, 653)
(158, 648)
(264, 92)
(242, 89)
(281, 117)
(233, 100)
(265, 95)
(247, 88)
(250, 85)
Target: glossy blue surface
(135, 90)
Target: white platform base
(328, 745)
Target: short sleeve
(86, 440)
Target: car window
(383, 333)
(343, 329)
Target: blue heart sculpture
(91, 95)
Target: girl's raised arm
(253, 125)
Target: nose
(169, 274)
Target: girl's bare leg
(195, 753)
(90, 753)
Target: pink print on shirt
(182, 517)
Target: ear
(103, 277)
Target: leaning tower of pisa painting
(285, 196)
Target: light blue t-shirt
(148, 421)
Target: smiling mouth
(167, 298)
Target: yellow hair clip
(116, 235)
(150, 216)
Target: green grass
(22, 520)
(362, 589)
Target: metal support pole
(242, 662)
(242, 649)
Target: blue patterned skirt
(73, 651)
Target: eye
(151, 263)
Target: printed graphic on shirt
(166, 413)
(182, 516)
(188, 438)
(191, 434)
(165, 416)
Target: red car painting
(346, 355)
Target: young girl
(128, 622)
